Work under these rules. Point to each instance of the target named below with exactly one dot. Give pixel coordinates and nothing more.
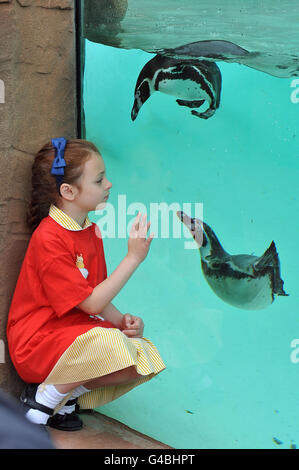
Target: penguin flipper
(215, 262)
(190, 104)
(268, 260)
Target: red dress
(43, 319)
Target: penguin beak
(194, 225)
(135, 110)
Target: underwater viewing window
(194, 106)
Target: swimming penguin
(277, 65)
(244, 281)
(192, 81)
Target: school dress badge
(80, 265)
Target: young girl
(66, 339)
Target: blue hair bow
(59, 162)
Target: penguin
(277, 65)
(208, 49)
(192, 81)
(244, 281)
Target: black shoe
(81, 411)
(28, 400)
(66, 422)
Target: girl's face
(95, 186)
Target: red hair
(44, 189)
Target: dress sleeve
(63, 283)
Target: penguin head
(206, 239)
(196, 228)
(142, 93)
(145, 85)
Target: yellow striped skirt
(99, 352)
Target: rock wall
(37, 103)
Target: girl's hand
(132, 326)
(138, 244)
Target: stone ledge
(101, 432)
(52, 5)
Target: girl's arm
(138, 247)
(104, 292)
(111, 313)
(130, 325)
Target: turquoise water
(232, 375)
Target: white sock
(77, 392)
(46, 395)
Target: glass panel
(226, 154)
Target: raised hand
(138, 244)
